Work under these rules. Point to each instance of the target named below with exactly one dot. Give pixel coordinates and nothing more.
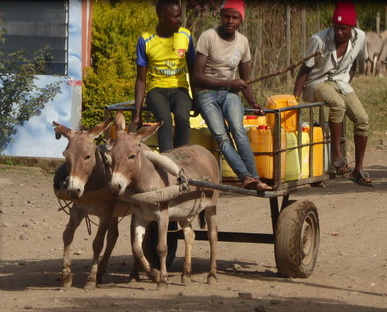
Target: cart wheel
(149, 245)
(297, 239)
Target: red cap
(238, 5)
(344, 14)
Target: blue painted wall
(36, 137)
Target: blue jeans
(161, 102)
(216, 106)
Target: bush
(115, 31)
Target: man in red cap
(326, 78)
(220, 52)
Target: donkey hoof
(67, 280)
(90, 285)
(186, 279)
(134, 277)
(211, 279)
(155, 275)
(162, 285)
(99, 277)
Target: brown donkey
(134, 173)
(83, 179)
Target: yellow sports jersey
(166, 59)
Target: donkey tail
(202, 219)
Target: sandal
(250, 183)
(342, 167)
(363, 179)
(261, 186)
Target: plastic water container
(292, 171)
(318, 150)
(202, 136)
(252, 120)
(262, 141)
(327, 148)
(227, 171)
(197, 122)
(288, 118)
(305, 154)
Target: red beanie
(344, 14)
(238, 5)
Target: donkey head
(80, 154)
(127, 155)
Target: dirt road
(350, 275)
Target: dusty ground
(350, 275)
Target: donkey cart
(295, 224)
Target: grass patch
(372, 92)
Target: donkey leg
(189, 238)
(76, 217)
(135, 274)
(111, 240)
(137, 233)
(212, 230)
(162, 247)
(98, 242)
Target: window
(32, 25)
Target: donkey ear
(97, 130)
(146, 132)
(119, 121)
(61, 130)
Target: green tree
(20, 97)
(115, 30)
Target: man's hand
(136, 121)
(238, 84)
(257, 109)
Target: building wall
(36, 138)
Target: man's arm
(206, 82)
(352, 71)
(190, 56)
(244, 73)
(300, 80)
(139, 95)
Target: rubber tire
(297, 240)
(150, 244)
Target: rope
(66, 203)
(88, 224)
(284, 70)
(183, 180)
(123, 215)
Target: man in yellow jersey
(166, 55)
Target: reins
(182, 179)
(65, 204)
